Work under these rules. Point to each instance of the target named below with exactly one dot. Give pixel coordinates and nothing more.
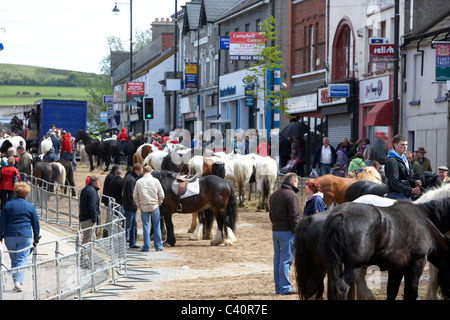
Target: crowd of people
(139, 190)
(402, 173)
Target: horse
(155, 159)
(398, 238)
(310, 259)
(50, 172)
(131, 146)
(12, 142)
(215, 193)
(143, 151)
(362, 187)
(107, 149)
(46, 145)
(266, 176)
(176, 161)
(334, 187)
(245, 173)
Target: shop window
(343, 52)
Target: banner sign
(380, 53)
(135, 93)
(190, 75)
(246, 45)
(442, 61)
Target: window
(343, 52)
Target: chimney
(162, 26)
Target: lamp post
(116, 11)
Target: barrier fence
(64, 268)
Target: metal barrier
(65, 268)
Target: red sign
(135, 88)
(381, 53)
(246, 45)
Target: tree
(269, 60)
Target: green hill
(21, 84)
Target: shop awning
(381, 114)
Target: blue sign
(339, 90)
(108, 99)
(224, 43)
(1, 46)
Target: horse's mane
(435, 194)
(369, 173)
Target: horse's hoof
(167, 245)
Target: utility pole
(396, 63)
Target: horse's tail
(303, 265)
(266, 187)
(335, 243)
(231, 218)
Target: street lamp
(116, 11)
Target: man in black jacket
(324, 158)
(89, 213)
(129, 206)
(284, 215)
(398, 171)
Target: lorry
(68, 115)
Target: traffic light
(148, 109)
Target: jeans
(155, 220)
(21, 258)
(398, 196)
(283, 247)
(324, 169)
(131, 226)
(74, 160)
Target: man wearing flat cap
(422, 160)
(443, 175)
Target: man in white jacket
(148, 195)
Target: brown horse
(215, 193)
(333, 187)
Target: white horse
(144, 150)
(155, 159)
(266, 176)
(244, 170)
(46, 144)
(15, 141)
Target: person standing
(74, 148)
(109, 177)
(284, 214)
(314, 199)
(66, 149)
(129, 206)
(285, 151)
(400, 184)
(89, 212)
(55, 142)
(369, 152)
(115, 186)
(324, 158)
(416, 168)
(149, 195)
(8, 176)
(422, 160)
(19, 227)
(24, 164)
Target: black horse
(215, 193)
(363, 187)
(398, 238)
(130, 149)
(310, 260)
(107, 149)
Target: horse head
(82, 136)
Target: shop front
(377, 109)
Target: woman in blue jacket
(314, 199)
(19, 226)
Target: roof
(213, 9)
(192, 16)
(439, 31)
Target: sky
(71, 35)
